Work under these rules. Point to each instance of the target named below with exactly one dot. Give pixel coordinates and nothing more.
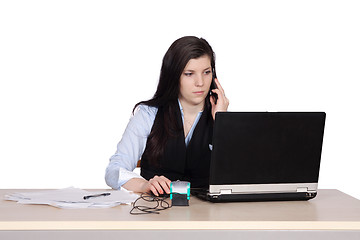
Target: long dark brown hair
(167, 93)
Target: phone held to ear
(213, 86)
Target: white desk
(331, 215)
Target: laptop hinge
(225, 191)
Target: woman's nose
(199, 81)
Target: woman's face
(195, 81)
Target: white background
(71, 72)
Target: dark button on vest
(191, 163)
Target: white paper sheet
(74, 198)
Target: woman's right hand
(157, 185)
(222, 102)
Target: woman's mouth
(199, 92)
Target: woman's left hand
(222, 102)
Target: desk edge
(179, 225)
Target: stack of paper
(74, 198)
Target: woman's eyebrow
(190, 70)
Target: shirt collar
(181, 108)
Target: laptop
(264, 156)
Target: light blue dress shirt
(133, 143)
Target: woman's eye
(207, 72)
(188, 74)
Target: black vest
(191, 163)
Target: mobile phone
(213, 85)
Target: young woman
(172, 132)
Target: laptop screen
(266, 147)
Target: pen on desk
(96, 195)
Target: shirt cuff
(125, 175)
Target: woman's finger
(212, 101)
(220, 94)
(158, 189)
(165, 184)
(153, 190)
(219, 86)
